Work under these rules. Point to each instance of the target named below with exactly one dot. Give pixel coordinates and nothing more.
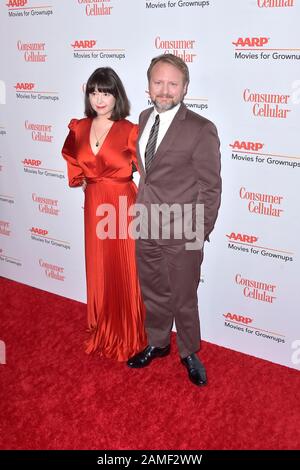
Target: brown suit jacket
(186, 166)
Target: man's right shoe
(144, 358)
(196, 369)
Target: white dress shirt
(165, 120)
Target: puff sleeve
(75, 172)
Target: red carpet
(54, 396)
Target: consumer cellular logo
(97, 7)
(46, 205)
(32, 51)
(267, 105)
(256, 290)
(52, 271)
(183, 48)
(262, 203)
(275, 3)
(40, 132)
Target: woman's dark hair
(105, 80)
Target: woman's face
(102, 103)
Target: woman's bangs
(101, 87)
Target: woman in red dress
(100, 152)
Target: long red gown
(115, 310)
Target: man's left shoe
(196, 369)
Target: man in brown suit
(179, 159)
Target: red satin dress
(115, 310)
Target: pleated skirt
(115, 309)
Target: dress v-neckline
(104, 140)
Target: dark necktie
(151, 144)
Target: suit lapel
(143, 121)
(169, 137)
(166, 142)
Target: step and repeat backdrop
(244, 59)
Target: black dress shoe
(144, 358)
(195, 368)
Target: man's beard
(165, 106)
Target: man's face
(166, 86)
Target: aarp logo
(24, 86)
(38, 231)
(84, 44)
(16, 3)
(251, 42)
(242, 237)
(245, 145)
(238, 318)
(31, 162)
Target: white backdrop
(244, 63)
